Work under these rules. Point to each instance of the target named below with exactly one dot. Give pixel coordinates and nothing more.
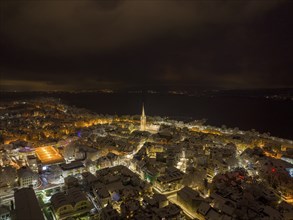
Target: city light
(121, 170)
(48, 155)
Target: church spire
(142, 119)
(143, 113)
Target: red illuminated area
(273, 170)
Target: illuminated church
(153, 128)
(143, 120)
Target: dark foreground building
(26, 205)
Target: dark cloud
(83, 26)
(102, 43)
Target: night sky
(65, 45)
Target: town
(63, 162)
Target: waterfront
(246, 113)
(63, 156)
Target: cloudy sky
(74, 44)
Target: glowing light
(48, 155)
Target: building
(172, 180)
(4, 213)
(189, 198)
(158, 200)
(70, 182)
(89, 179)
(108, 213)
(27, 177)
(27, 205)
(143, 120)
(170, 211)
(129, 207)
(204, 208)
(103, 196)
(32, 162)
(48, 155)
(73, 168)
(73, 203)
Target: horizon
(151, 89)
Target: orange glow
(276, 156)
(48, 155)
(206, 131)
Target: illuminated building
(73, 168)
(172, 180)
(48, 155)
(73, 203)
(27, 177)
(150, 174)
(142, 120)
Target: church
(143, 123)
(143, 120)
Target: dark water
(260, 114)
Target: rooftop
(48, 155)
(26, 205)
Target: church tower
(142, 120)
